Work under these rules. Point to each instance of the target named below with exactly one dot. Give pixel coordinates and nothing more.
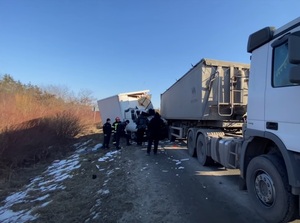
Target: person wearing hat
(107, 133)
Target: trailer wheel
(202, 152)
(190, 144)
(268, 188)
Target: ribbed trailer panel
(211, 90)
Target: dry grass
(35, 125)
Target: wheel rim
(264, 188)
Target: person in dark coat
(121, 132)
(141, 125)
(154, 132)
(107, 133)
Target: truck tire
(268, 188)
(190, 144)
(201, 148)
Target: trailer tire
(191, 144)
(268, 188)
(201, 148)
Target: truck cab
(270, 158)
(208, 104)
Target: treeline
(35, 122)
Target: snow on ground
(51, 180)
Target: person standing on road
(154, 132)
(120, 132)
(141, 125)
(114, 129)
(107, 133)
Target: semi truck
(246, 117)
(126, 106)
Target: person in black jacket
(107, 134)
(141, 125)
(121, 132)
(154, 132)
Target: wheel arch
(258, 143)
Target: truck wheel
(202, 152)
(190, 144)
(267, 185)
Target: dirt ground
(128, 186)
(109, 191)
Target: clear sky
(117, 46)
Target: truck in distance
(126, 106)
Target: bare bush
(65, 124)
(26, 143)
(36, 140)
(3, 141)
(35, 123)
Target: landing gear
(170, 136)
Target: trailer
(126, 106)
(211, 94)
(246, 117)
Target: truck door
(282, 101)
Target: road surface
(174, 187)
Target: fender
(291, 159)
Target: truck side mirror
(295, 74)
(294, 46)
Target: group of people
(149, 124)
(117, 130)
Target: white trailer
(208, 106)
(126, 106)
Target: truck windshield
(281, 66)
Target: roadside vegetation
(35, 124)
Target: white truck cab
(126, 106)
(270, 155)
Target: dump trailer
(126, 106)
(247, 118)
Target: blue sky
(116, 46)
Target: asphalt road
(174, 187)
